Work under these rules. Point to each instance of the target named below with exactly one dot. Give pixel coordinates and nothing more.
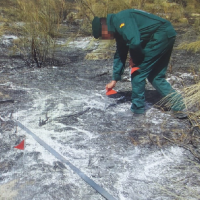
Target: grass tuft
(193, 46)
(192, 101)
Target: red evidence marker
(20, 145)
(133, 69)
(110, 92)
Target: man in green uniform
(149, 39)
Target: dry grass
(192, 101)
(87, 9)
(90, 8)
(190, 46)
(1, 30)
(42, 19)
(39, 27)
(102, 52)
(171, 11)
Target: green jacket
(133, 29)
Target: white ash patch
(187, 75)
(8, 39)
(174, 80)
(83, 43)
(156, 117)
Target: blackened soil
(131, 156)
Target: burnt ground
(154, 156)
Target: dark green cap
(96, 27)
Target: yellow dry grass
(193, 46)
(90, 8)
(39, 28)
(192, 102)
(188, 98)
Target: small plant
(193, 46)
(39, 28)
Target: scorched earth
(65, 105)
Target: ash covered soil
(65, 105)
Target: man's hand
(131, 64)
(111, 85)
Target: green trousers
(157, 55)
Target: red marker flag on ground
(133, 69)
(20, 145)
(110, 92)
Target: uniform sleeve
(119, 60)
(128, 29)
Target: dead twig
(43, 122)
(7, 101)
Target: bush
(39, 27)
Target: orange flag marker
(133, 69)
(20, 145)
(110, 92)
